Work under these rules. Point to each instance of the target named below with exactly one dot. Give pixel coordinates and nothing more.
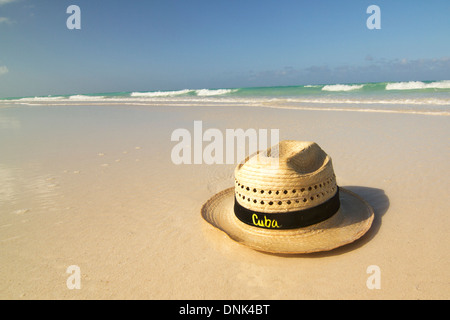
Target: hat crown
(302, 179)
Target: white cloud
(373, 70)
(5, 20)
(2, 2)
(3, 70)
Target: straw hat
(286, 200)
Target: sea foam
(417, 85)
(80, 97)
(160, 93)
(213, 92)
(41, 99)
(342, 87)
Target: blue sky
(168, 45)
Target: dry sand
(95, 187)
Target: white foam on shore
(370, 110)
(39, 99)
(417, 101)
(193, 100)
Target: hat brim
(351, 222)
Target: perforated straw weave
(303, 179)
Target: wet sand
(95, 187)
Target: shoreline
(382, 106)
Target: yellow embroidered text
(268, 223)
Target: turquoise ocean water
(421, 97)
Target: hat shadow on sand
(378, 200)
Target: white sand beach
(95, 187)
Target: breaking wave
(214, 92)
(342, 87)
(418, 85)
(160, 93)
